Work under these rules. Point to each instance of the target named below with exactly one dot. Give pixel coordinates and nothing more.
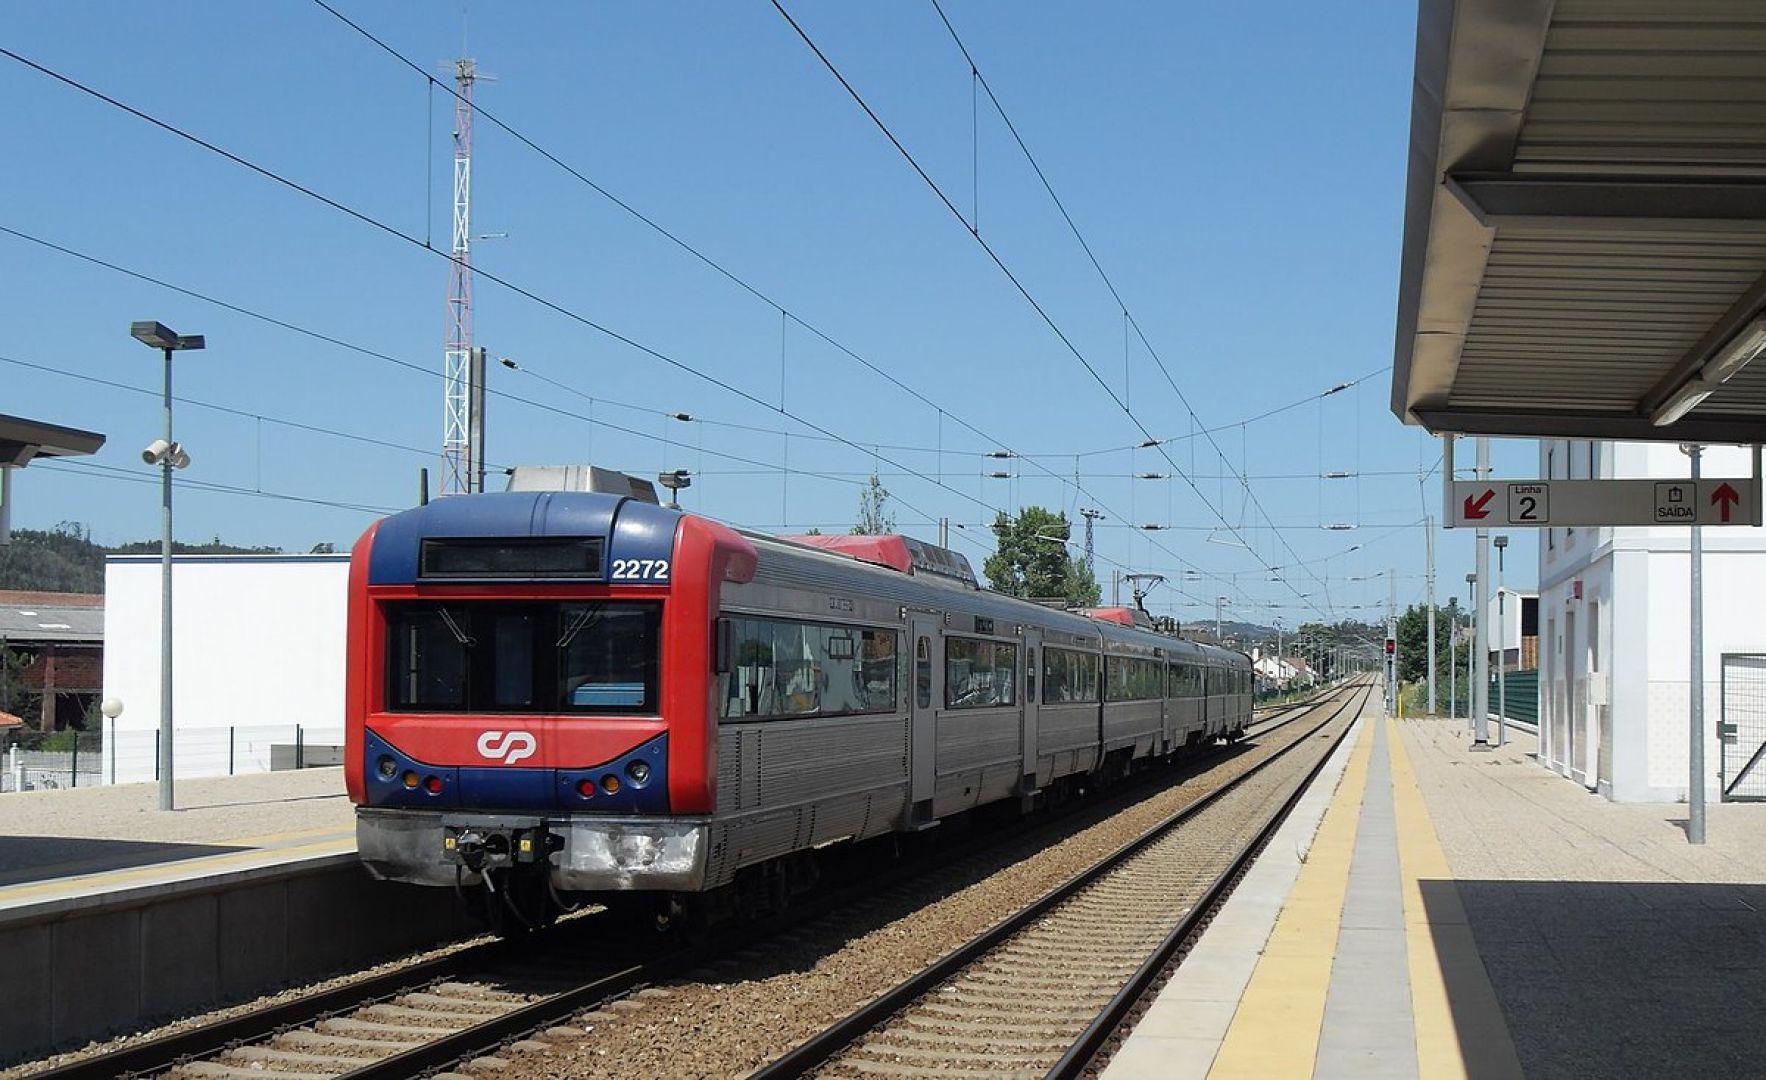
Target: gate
(1743, 727)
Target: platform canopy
(23, 441)
(1585, 221)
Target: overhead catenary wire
(518, 289)
(1078, 235)
(1015, 281)
(424, 245)
(785, 314)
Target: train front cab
(529, 691)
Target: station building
(257, 663)
(1615, 633)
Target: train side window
(923, 673)
(979, 674)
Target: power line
(1010, 276)
(519, 290)
(1104, 276)
(425, 371)
(111, 472)
(784, 312)
(423, 244)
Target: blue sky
(1238, 171)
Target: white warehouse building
(1615, 649)
(258, 663)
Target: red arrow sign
(1723, 498)
(1475, 510)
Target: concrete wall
(74, 972)
(1627, 639)
(258, 648)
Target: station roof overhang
(23, 441)
(1585, 221)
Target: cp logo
(510, 746)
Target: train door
(1032, 704)
(928, 695)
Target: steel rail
(169, 1051)
(157, 1055)
(821, 1049)
(1104, 1026)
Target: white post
(1695, 786)
(1429, 534)
(1481, 637)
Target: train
(553, 695)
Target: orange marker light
(610, 784)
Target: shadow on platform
(26, 859)
(1615, 979)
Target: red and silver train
(569, 692)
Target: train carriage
(587, 693)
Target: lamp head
(158, 336)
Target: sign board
(1482, 504)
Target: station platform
(1430, 910)
(84, 841)
(115, 915)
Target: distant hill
(64, 559)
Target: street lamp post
(168, 455)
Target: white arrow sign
(1482, 504)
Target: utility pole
(1429, 534)
(456, 477)
(1218, 600)
(1481, 637)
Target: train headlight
(639, 772)
(386, 767)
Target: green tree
(1032, 559)
(874, 519)
(1413, 648)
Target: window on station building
(782, 668)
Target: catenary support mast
(457, 466)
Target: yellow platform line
(1460, 1031)
(1274, 1032)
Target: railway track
(1038, 994)
(462, 1008)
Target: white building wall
(258, 651)
(1615, 664)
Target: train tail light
(586, 788)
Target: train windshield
(544, 657)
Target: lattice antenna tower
(457, 470)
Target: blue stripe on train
(475, 788)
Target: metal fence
(1742, 719)
(38, 761)
(1522, 692)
